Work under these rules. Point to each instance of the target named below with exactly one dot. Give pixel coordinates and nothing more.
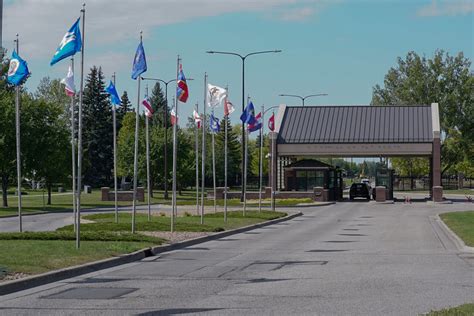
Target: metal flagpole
(175, 150)
(214, 164)
(114, 117)
(147, 140)
(73, 153)
(261, 162)
(18, 153)
(135, 157)
(196, 135)
(226, 117)
(203, 159)
(79, 135)
(245, 140)
(273, 170)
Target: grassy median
(462, 224)
(463, 310)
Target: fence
(424, 183)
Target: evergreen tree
(97, 131)
(125, 107)
(233, 155)
(159, 104)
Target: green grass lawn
(34, 202)
(212, 222)
(461, 223)
(463, 310)
(37, 256)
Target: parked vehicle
(360, 190)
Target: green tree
(444, 79)
(125, 146)
(46, 141)
(233, 155)
(158, 102)
(97, 131)
(125, 107)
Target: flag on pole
(215, 95)
(148, 108)
(249, 114)
(228, 108)
(174, 117)
(214, 124)
(139, 62)
(197, 119)
(18, 70)
(112, 91)
(257, 124)
(70, 87)
(70, 44)
(182, 92)
(271, 123)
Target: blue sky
(342, 48)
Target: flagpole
(226, 117)
(147, 140)
(203, 160)
(175, 150)
(196, 135)
(79, 137)
(135, 157)
(114, 118)
(273, 172)
(18, 144)
(73, 153)
(214, 164)
(245, 140)
(261, 162)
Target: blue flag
(214, 124)
(114, 97)
(70, 44)
(18, 70)
(139, 63)
(248, 116)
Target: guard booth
(384, 176)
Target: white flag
(215, 95)
(197, 119)
(69, 83)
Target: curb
(308, 205)
(66, 273)
(458, 242)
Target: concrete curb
(458, 242)
(66, 273)
(308, 205)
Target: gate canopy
(351, 131)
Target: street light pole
(243, 58)
(303, 98)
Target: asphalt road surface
(345, 259)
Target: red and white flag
(148, 108)
(197, 119)
(174, 117)
(70, 88)
(228, 107)
(271, 123)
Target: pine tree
(124, 108)
(233, 155)
(97, 131)
(159, 104)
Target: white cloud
(42, 23)
(447, 8)
(298, 14)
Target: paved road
(344, 259)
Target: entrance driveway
(343, 259)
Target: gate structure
(357, 131)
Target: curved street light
(243, 58)
(303, 98)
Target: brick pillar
(437, 185)
(272, 175)
(105, 193)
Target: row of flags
(71, 44)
